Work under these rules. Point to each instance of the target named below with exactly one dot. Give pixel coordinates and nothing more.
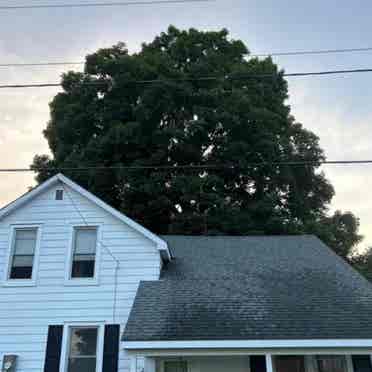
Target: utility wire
(191, 79)
(109, 4)
(196, 167)
(294, 53)
(41, 64)
(310, 52)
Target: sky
(337, 108)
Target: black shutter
(111, 348)
(258, 363)
(53, 349)
(362, 363)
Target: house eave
(247, 344)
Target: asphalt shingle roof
(245, 288)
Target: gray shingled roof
(235, 288)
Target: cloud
(23, 115)
(343, 136)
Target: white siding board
(26, 312)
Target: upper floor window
(23, 253)
(84, 252)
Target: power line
(44, 85)
(41, 64)
(91, 5)
(294, 53)
(191, 79)
(195, 167)
(310, 52)
(329, 72)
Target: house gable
(73, 190)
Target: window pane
(179, 366)
(22, 272)
(83, 263)
(21, 261)
(257, 363)
(82, 269)
(85, 241)
(84, 257)
(332, 363)
(82, 365)
(23, 254)
(290, 364)
(362, 363)
(25, 241)
(83, 342)
(26, 234)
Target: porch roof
(252, 288)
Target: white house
(84, 288)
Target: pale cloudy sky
(337, 108)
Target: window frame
(69, 280)
(66, 338)
(9, 258)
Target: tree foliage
(110, 115)
(363, 263)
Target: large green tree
(152, 109)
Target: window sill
(20, 283)
(81, 282)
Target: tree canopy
(193, 98)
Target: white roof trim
(242, 344)
(160, 243)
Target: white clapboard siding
(26, 312)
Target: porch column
(150, 365)
(269, 363)
(349, 363)
(133, 363)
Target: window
(331, 363)
(290, 363)
(84, 252)
(82, 355)
(59, 194)
(175, 366)
(23, 253)
(362, 363)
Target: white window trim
(35, 265)
(66, 341)
(69, 281)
